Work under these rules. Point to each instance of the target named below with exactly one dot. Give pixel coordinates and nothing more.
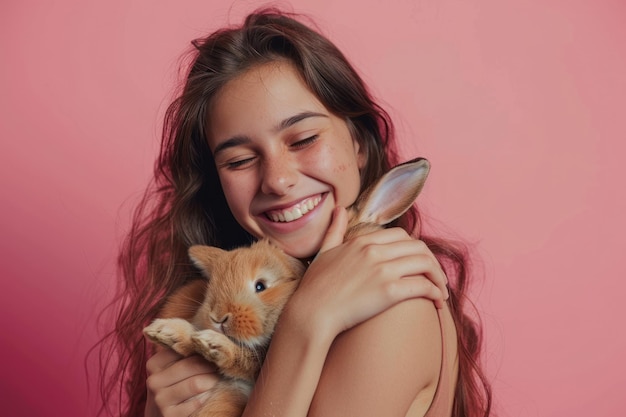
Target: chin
(300, 250)
(302, 255)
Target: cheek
(338, 166)
(349, 189)
(339, 156)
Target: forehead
(271, 77)
(260, 98)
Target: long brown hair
(185, 205)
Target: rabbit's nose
(221, 323)
(224, 319)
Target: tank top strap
(442, 401)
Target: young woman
(273, 123)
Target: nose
(221, 323)
(279, 175)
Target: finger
(179, 371)
(185, 392)
(188, 407)
(427, 288)
(161, 360)
(411, 265)
(425, 262)
(435, 272)
(438, 278)
(428, 265)
(336, 230)
(413, 287)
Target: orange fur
(225, 319)
(185, 302)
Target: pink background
(518, 104)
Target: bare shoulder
(381, 366)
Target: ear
(393, 194)
(361, 155)
(204, 257)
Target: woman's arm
(291, 371)
(377, 368)
(366, 280)
(381, 366)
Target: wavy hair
(184, 204)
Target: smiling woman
(273, 136)
(284, 161)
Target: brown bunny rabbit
(229, 319)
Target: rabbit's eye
(259, 286)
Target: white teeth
(295, 212)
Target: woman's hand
(358, 279)
(176, 385)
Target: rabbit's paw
(172, 333)
(215, 347)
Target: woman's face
(283, 159)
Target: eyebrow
(231, 143)
(290, 121)
(284, 124)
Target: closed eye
(304, 142)
(241, 163)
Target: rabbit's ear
(394, 193)
(203, 257)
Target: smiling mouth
(294, 212)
